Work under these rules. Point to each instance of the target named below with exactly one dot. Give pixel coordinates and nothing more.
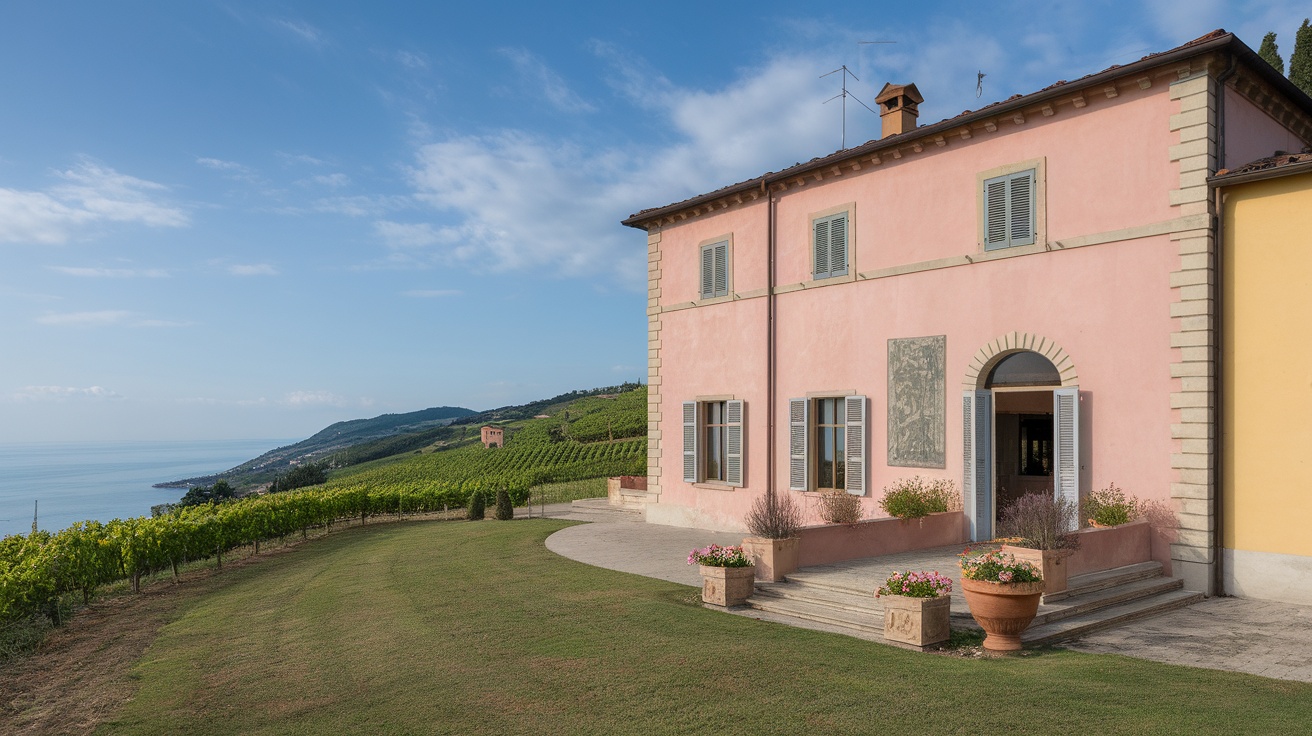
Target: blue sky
(239, 219)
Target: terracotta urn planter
(773, 558)
(727, 586)
(1052, 562)
(920, 622)
(1004, 610)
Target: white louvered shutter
(820, 241)
(708, 272)
(977, 462)
(838, 246)
(720, 285)
(1020, 206)
(1066, 444)
(854, 415)
(995, 213)
(734, 421)
(798, 421)
(690, 442)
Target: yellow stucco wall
(1267, 359)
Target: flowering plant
(916, 584)
(718, 556)
(995, 566)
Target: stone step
(601, 508)
(635, 499)
(1070, 628)
(868, 622)
(838, 599)
(1101, 598)
(1094, 581)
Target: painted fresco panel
(916, 403)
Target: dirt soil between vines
(82, 672)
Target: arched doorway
(1021, 427)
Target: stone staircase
(1091, 602)
(602, 510)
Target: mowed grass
(475, 628)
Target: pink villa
(1019, 298)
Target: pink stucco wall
(1251, 134)
(1107, 306)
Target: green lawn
(475, 628)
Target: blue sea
(76, 481)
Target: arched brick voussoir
(983, 361)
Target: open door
(977, 479)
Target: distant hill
(579, 416)
(332, 439)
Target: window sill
(712, 486)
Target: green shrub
(477, 506)
(505, 510)
(1111, 507)
(914, 497)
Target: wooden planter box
(773, 558)
(727, 586)
(920, 622)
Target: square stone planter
(1052, 563)
(920, 622)
(727, 586)
(773, 558)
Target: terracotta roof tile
(1281, 158)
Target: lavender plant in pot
(1039, 528)
(773, 521)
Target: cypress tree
(1270, 52)
(1300, 62)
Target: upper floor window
(829, 245)
(1009, 210)
(715, 269)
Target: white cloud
(512, 200)
(85, 319)
(112, 273)
(104, 318)
(322, 398)
(542, 79)
(252, 269)
(61, 393)
(221, 165)
(415, 60)
(431, 293)
(89, 194)
(328, 180)
(300, 159)
(303, 30)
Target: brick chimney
(898, 108)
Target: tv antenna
(979, 84)
(844, 95)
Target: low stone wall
(626, 482)
(836, 542)
(1109, 547)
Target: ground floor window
(713, 441)
(830, 443)
(827, 444)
